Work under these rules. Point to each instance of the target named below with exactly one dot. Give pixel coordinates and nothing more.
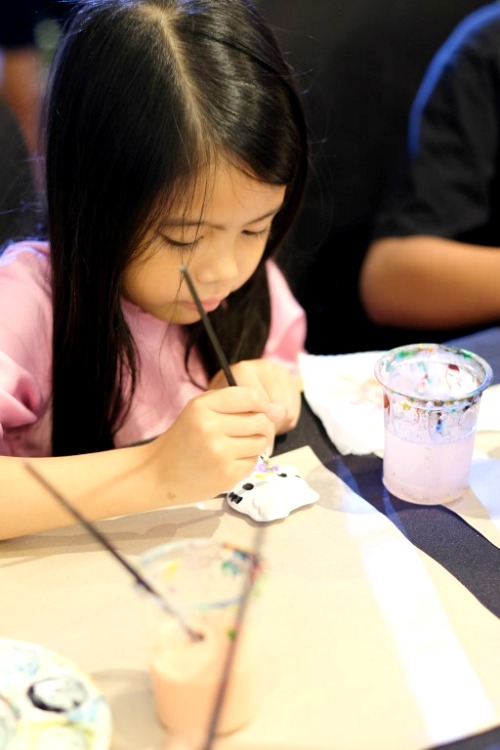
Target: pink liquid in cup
(427, 473)
(186, 675)
(432, 395)
(205, 580)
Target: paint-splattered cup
(432, 395)
(205, 581)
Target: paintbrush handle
(215, 341)
(94, 531)
(233, 645)
(209, 328)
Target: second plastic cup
(204, 580)
(432, 395)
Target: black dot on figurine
(282, 475)
(248, 486)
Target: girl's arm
(212, 445)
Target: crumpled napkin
(343, 392)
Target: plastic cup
(432, 395)
(205, 581)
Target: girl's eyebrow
(186, 222)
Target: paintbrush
(255, 557)
(249, 581)
(224, 364)
(102, 539)
(209, 328)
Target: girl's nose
(220, 264)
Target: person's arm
(20, 87)
(419, 271)
(212, 445)
(430, 282)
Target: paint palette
(48, 703)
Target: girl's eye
(181, 245)
(257, 235)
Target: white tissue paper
(343, 392)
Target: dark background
(359, 64)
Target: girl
(173, 134)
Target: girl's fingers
(277, 413)
(235, 400)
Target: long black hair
(142, 94)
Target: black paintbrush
(233, 645)
(224, 364)
(249, 581)
(94, 531)
(209, 328)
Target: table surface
(467, 555)
(35, 585)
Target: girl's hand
(273, 381)
(214, 443)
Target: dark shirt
(359, 65)
(450, 183)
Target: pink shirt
(163, 386)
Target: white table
(350, 601)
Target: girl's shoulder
(279, 289)
(24, 250)
(276, 279)
(287, 334)
(26, 261)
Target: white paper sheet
(480, 505)
(373, 645)
(383, 649)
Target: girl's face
(220, 235)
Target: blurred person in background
(22, 59)
(28, 33)
(434, 263)
(360, 63)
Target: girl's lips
(208, 305)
